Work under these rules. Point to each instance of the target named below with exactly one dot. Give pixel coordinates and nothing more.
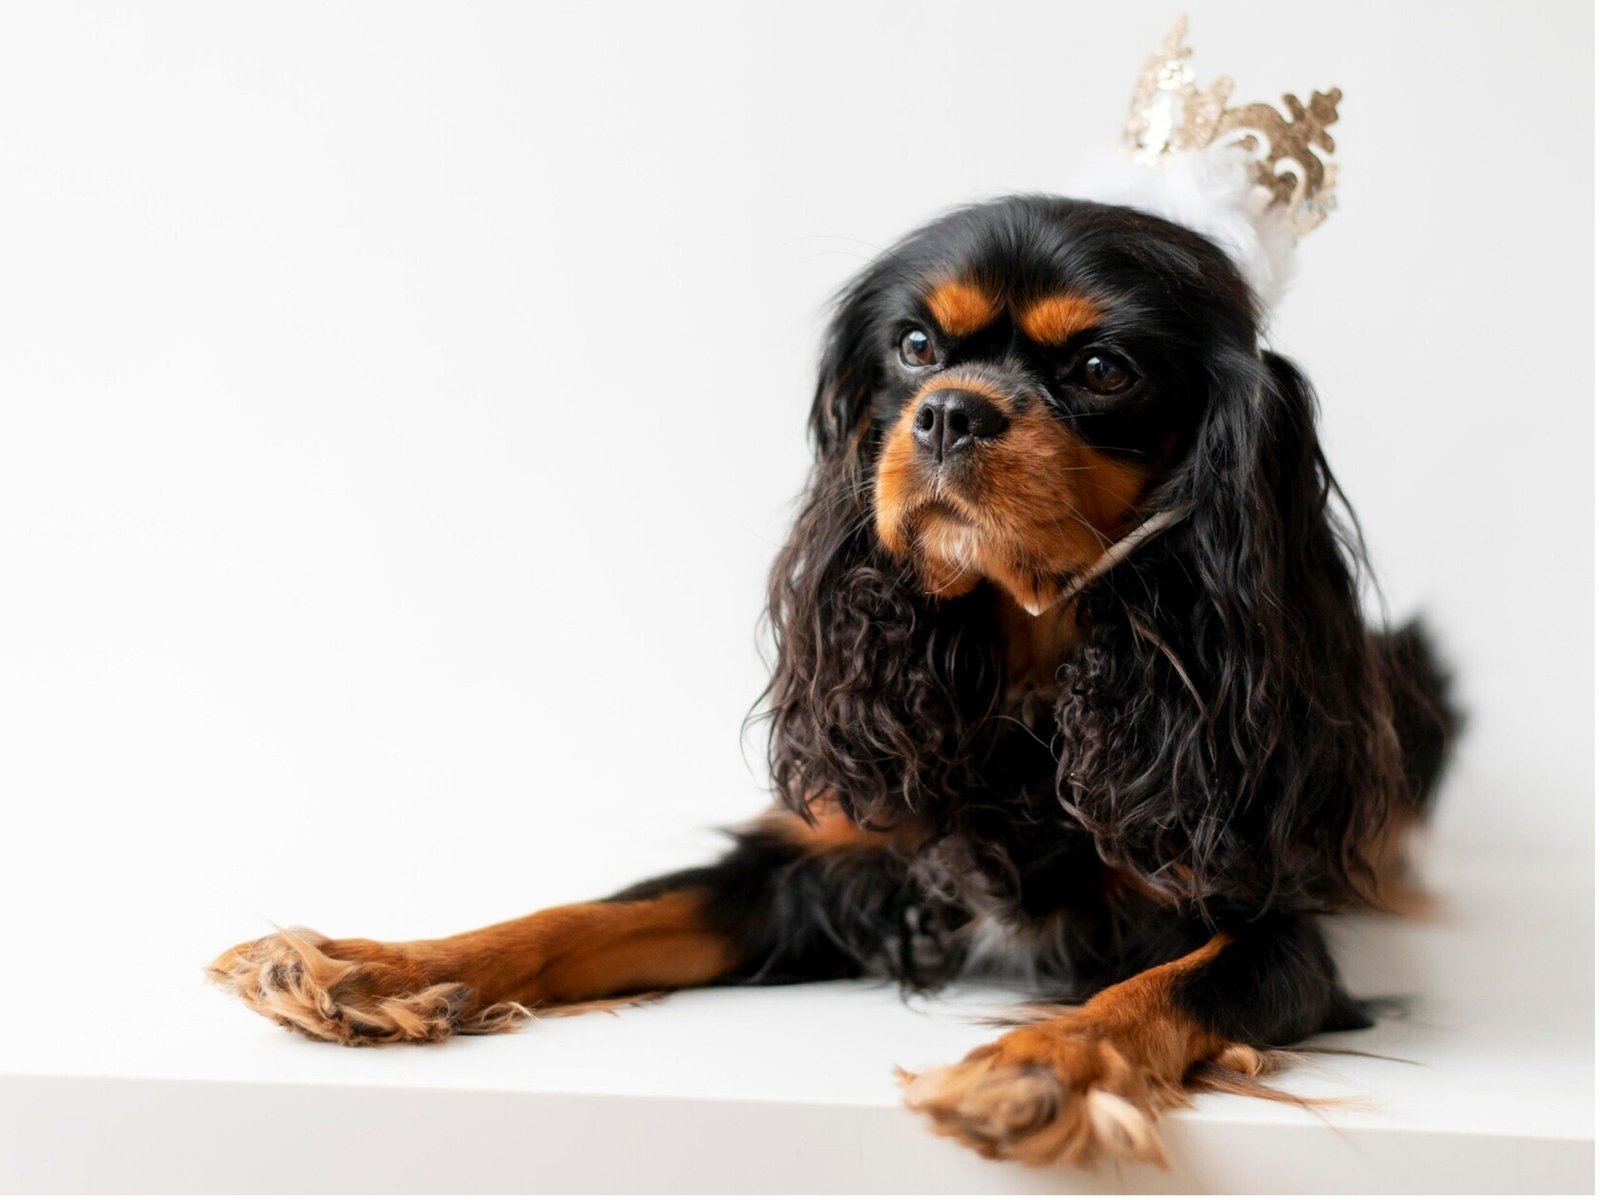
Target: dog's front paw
(356, 993)
(1040, 1095)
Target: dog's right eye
(916, 349)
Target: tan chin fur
(290, 978)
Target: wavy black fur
(1228, 727)
(1228, 743)
(1229, 731)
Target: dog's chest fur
(1019, 862)
(1035, 647)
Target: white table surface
(111, 1081)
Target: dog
(1071, 680)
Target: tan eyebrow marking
(961, 307)
(1054, 319)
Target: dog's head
(1005, 395)
(1022, 376)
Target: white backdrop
(399, 406)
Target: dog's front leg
(791, 901)
(1089, 1081)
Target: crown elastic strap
(1116, 553)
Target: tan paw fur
(1074, 1098)
(354, 993)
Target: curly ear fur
(1228, 727)
(864, 701)
(1227, 724)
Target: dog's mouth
(957, 533)
(941, 494)
(942, 507)
(972, 494)
(955, 546)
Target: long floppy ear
(863, 701)
(849, 374)
(1227, 729)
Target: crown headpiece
(1251, 178)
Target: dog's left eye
(917, 349)
(1103, 374)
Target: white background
(400, 405)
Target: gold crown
(1169, 113)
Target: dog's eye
(916, 349)
(1103, 374)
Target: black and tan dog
(1071, 677)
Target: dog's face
(1035, 367)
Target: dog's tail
(1426, 718)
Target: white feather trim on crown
(1212, 191)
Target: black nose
(950, 420)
